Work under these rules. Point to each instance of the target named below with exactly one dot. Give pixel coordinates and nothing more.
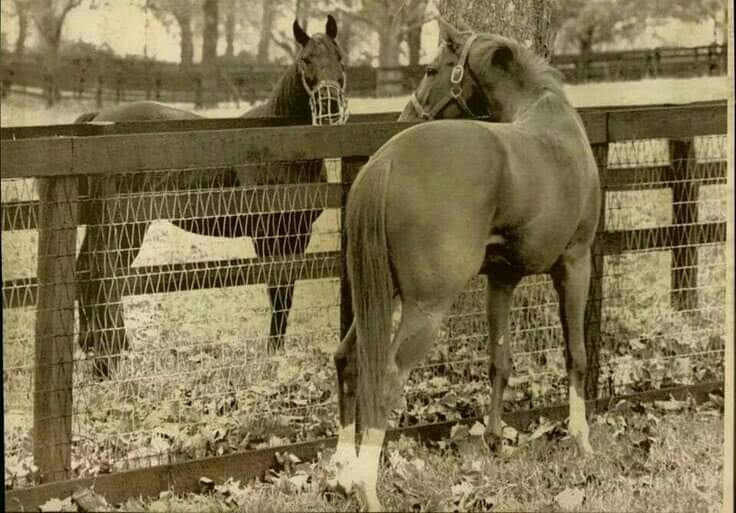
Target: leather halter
(456, 90)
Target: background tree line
(386, 32)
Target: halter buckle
(457, 74)
(456, 92)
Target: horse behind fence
(311, 90)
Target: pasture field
(197, 381)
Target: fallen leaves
(570, 499)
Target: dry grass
(644, 462)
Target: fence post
(100, 82)
(198, 92)
(118, 88)
(594, 306)
(349, 169)
(54, 345)
(685, 192)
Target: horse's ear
(301, 37)
(503, 57)
(449, 33)
(331, 27)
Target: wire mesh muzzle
(327, 102)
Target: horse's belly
(521, 255)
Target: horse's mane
(537, 74)
(288, 98)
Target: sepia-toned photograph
(367, 255)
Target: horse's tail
(372, 288)
(86, 117)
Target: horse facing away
(437, 200)
(312, 89)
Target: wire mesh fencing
(176, 335)
(202, 307)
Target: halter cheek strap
(456, 90)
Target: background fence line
(114, 80)
(61, 165)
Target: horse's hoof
(369, 499)
(584, 448)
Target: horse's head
(322, 71)
(477, 76)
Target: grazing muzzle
(327, 102)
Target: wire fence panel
(172, 337)
(665, 319)
(200, 308)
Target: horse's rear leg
(571, 277)
(346, 365)
(107, 253)
(420, 322)
(499, 291)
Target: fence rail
(60, 160)
(115, 80)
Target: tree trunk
(50, 24)
(186, 42)
(527, 21)
(414, 41)
(210, 34)
(542, 33)
(230, 30)
(264, 42)
(20, 41)
(388, 48)
(344, 34)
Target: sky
(128, 30)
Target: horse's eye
(430, 71)
(306, 60)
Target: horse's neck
(288, 98)
(547, 107)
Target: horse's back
(144, 111)
(535, 186)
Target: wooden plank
(47, 157)
(178, 125)
(661, 177)
(589, 115)
(183, 477)
(193, 276)
(54, 343)
(667, 123)
(22, 215)
(159, 279)
(663, 237)
(186, 150)
(213, 203)
(195, 204)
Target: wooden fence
(58, 156)
(116, 80)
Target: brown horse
(520, 193)
(312, 89)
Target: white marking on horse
(578, 425)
